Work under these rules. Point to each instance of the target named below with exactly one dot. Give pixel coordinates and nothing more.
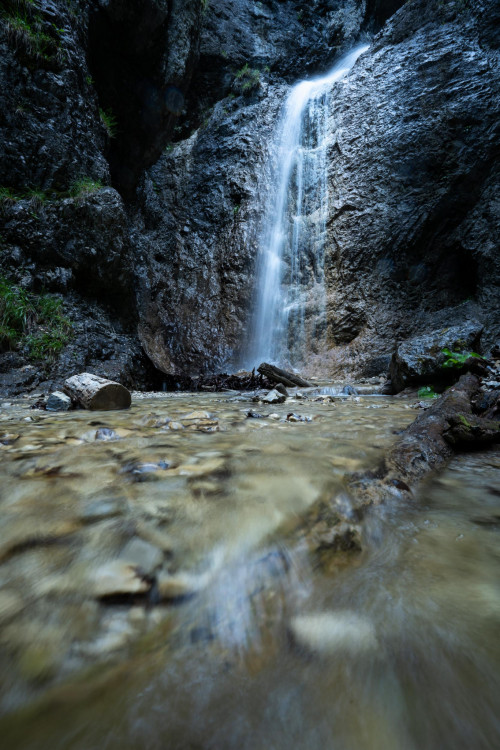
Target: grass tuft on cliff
(32, 323)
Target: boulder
(420, 359)
(58, 401)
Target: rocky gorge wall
(134, 158)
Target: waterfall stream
(290, 311)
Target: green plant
(26, 29)
(109, 121)
(7, 195)
(427, 391)
(247, 78)
(89, 80)
(35, 322)
(84, 186)
(37, 196)
(47, 344)
(457, 359)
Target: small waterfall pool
(391, 648)
(290, 311)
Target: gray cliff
(134, 157)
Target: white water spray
(290, 314)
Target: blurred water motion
(244, 641)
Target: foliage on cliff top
(29, 32)
(31, 322)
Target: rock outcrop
(413, 178)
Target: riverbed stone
(118, 577)
(143, 555)
(274, 397)
(179, 586)
(58, 401)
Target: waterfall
(290, 311)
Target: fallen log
(282, 376)
(93, 392)
(330, 526)
(421, 449)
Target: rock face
(413, 176)
(134, 157)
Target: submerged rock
(118, 577)
(143, 555)
(328, 633)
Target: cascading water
(290, 313)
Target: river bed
(150, 597)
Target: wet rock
(144, 471)
(330, 633)
(179, 586)
(421, 359)
(281, 389)
(259, 395)
(105, 433)
(467, 430)
(118, 577)
(58, 401)
(273, 397)
(297, 418)
(8, 438)
(349, 390)
(142, 555)
(101, 509)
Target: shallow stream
(151, 596)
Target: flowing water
(246, 639)
(290, 317)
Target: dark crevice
(127, 57)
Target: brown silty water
(152, 595)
